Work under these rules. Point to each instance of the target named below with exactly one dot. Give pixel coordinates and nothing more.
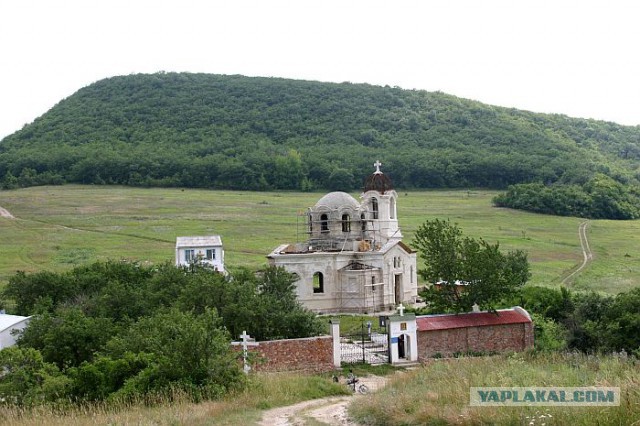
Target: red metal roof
(472, 319)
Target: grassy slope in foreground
(59, 227)
(438, 394)
(435, 394)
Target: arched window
(363, 225)
(346, 223)
(318, 282)
(310, 217)
(374, 207)
(392, 208)
(324, 223)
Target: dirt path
(330, 411)
(587, 254)
(5, 213)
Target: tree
(468, 271)
(68, 337)
(39, 291)
(188, 350)
(27, 379)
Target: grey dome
(337, 200)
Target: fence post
(335, 334)
(364, 356)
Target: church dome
(337, 200)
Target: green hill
(235, 132)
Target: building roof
(472, 319)
(206, 241)
(8, 321)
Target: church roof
(336, 200)
(378, 181)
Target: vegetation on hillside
(234, 132)
(122, 331)
(600, 197)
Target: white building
(9, 323)
(354, 259)
(205, 250)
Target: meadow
(58, 227)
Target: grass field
(58, 227)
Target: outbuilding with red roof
(486, 332)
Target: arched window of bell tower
(374, 207)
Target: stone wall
(485, 339)
(309, 354)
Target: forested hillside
(235, 132)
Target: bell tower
(379, 198)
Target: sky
(578, 58)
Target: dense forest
(235, 132)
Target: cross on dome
(377, 164)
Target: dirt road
(330, 411)
(587, 254)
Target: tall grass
(438, 393)
(244, 407)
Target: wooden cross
(377, 164)
(246, 342)
(401, 309)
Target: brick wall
(492, 338)
(309, 354)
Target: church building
(354, 259)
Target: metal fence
(366, 348)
